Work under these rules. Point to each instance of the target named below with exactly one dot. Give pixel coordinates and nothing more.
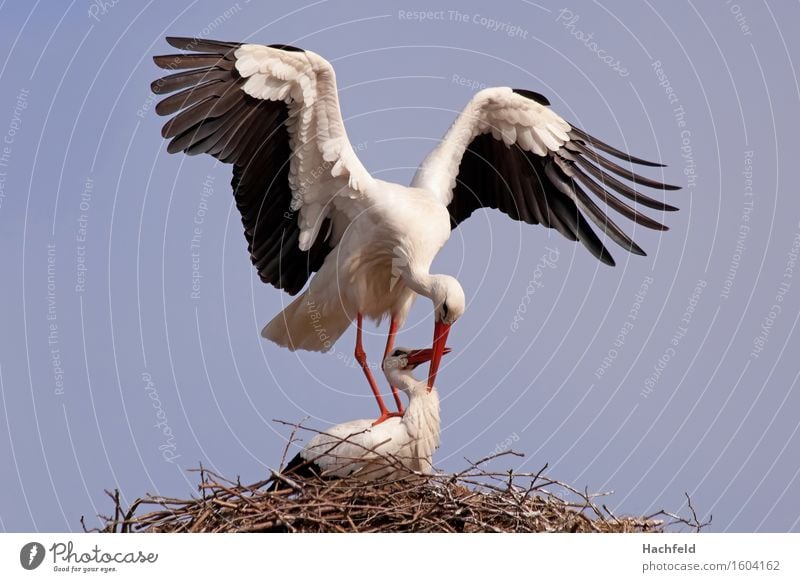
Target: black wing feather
(579, 134)
(547, 189)
(192, 61)
(213, 115)
(190, 96)
(187, 43)
(177, 81)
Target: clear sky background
(671, 373)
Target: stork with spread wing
(309, 207)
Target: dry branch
(473, 500)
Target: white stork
(309, 205)
(362, 449)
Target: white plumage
(309, 205)
(390, 449)
(508, 117)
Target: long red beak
(417, 357)
(440, 332)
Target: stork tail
(307, 325)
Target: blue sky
(669, 373)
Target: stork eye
(445, 310)
(397, 353)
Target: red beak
(417, 357)
(440, 331)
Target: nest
(473, 500)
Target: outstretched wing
(273, 112)
(508, 150)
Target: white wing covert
(508, 150)
(273, 112)
(357, 448)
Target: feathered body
(367, 271)
(309, 205)
(362, 449)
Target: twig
(475, 499)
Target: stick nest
(473, 500)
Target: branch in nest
(473, 500)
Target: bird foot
(386, 416)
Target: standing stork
(308, 204)
(362, 449)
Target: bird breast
(402, 230)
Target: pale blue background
(719, 424)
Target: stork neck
(419, 281)
(423, 424)
(403, 380)
(422, 411)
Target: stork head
(401, 362)
(449, 304)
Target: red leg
(389, 346)
(361, 358)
